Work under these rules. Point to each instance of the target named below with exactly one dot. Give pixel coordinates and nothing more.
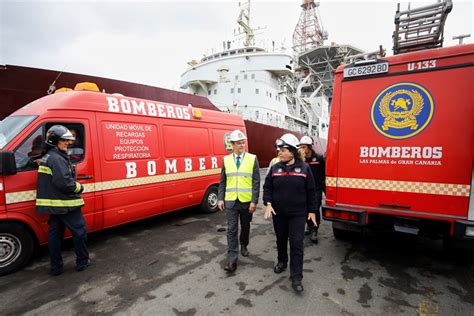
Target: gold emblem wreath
(401, 119)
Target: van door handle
(84, 177)
(395, 205)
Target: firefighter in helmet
(238, 193)
(317, 164)
(290, 199)
(59, 195)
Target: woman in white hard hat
(289, 195)
(317, 164)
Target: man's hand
(252, 207)
(312, 217)
(220, 205)
(269, 211)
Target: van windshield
(12, 126)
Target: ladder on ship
(420, 28)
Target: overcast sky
(151, 42)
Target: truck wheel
(209, 201)
(16, 247)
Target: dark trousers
(239, 210)
(75, 222)
(319, 198)
(290, 228)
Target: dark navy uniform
(318, 168)
(291, 191)
(59, 195)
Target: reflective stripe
(239, 190)
(401, 186)
(284, 174)
(78, 187)
(238, 174)
(46, 170)
(24, 196)
(59, 203)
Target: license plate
(366, 70)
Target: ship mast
(308, 33)
(244, 21)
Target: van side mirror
(7, 163)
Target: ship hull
(21, 85)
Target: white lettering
(188, 164)
(138, 108)
(202, 166)
(364, 152)
(161, 110)
(151, 109)
(151, 166)
(415, 152)
(437, 152)
(187, 115)
(170, 110)
(405, 152)
(171, 166)
(395, 152)
(214, 162)
(126, 107)
(113, 104)
(131, 169)
(427, 152)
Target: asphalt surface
(173, 265)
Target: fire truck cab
(401, 145)
(135, 158)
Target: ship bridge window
(252, 76)
(245, 76)
(239, 90)
(236, 77)
(241, 51)
(257, 114)
(232, 90)
(256, 91)
(209, 92)
(232, 52)
(215, 91)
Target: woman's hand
(269, 211)
(312, 217)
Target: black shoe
(307, 231)
(230, 267)
(280, 267)
(297, 286)
(314, 236)
(84, 266)
(244, 251)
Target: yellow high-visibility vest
(239, 181)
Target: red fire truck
(401, 145)
(135, 158)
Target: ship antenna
(52, 86)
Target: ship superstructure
(254, 83)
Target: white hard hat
(287, 140)
(306, 140)
(237, 135)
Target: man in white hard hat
(238, 193)
(317, 164)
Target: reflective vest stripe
(239, 181)
(59, 203)
(78, 187)
(44, 169)
(239, 190)
(284, 174)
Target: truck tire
(16, 247)
(209, 201)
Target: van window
(30, 151)
(12, 126)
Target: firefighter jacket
(290, 189)
(241, 183)
(318, 168)
(57, 189)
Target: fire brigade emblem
(227, 143)
(297, 170)
(402, 110)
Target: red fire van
(135, 158)
(401, 145)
